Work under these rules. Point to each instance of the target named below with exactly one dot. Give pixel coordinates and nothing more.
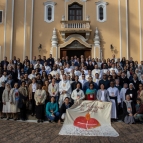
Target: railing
(75, 24)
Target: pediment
(77, 40)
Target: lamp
(111, 47)
(40, 47)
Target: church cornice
(49, 2)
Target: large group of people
(47, 87)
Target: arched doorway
(75, 49)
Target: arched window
(101, 16)
(1, 16)
(75, 12)
(101, 11)
(49, 11)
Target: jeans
(139, 117)
(54, 118)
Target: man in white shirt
(113, 68)
(104, 70)
(38, 65)
(85, 70)
(96, 70)
(47, 68)
(64, 89)
(115, 99)
(96, 79)
(67, 70)
(77, 72)
(54, 71)
(58, 62)
(89, 74)
(4, 78)
(83, 80)
(30, 76)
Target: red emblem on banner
(86, 122)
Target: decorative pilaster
(54, 44)
(97, 48)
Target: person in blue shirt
(52, 111)
(86, 85)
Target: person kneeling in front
(67, 104)
(52, 112)
(139, 111)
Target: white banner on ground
(89, 118)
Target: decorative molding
(83, 0)
(54, 43)
(5, 21)
(52, 6)
(127, 30)
(97, 43)
(54, 40)
(76, 36)
(96, 38)
(24, 47)
(31, 30)
(49, 3)
(103, 5)
(120, 28)
(72, 39)
(12, 19)
(101, 2)
(140, 29)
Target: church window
(1, 16)
(101, 11)
(49, 11)
(75, 12)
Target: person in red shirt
(91, 92)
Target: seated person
(139, 111)
(65, 106)
(77, 94)
(52, 110)
(128, 110)
(91, 92)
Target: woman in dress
(52, 111)
(103, 94)
(23, 95)
(14, 99)
(128, 110)
(40, 97)
(91, 92)
(77, 94)
(6, 101)
(1, 103)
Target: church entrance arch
(75, 45)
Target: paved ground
(24, 132)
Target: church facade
(96, 28)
